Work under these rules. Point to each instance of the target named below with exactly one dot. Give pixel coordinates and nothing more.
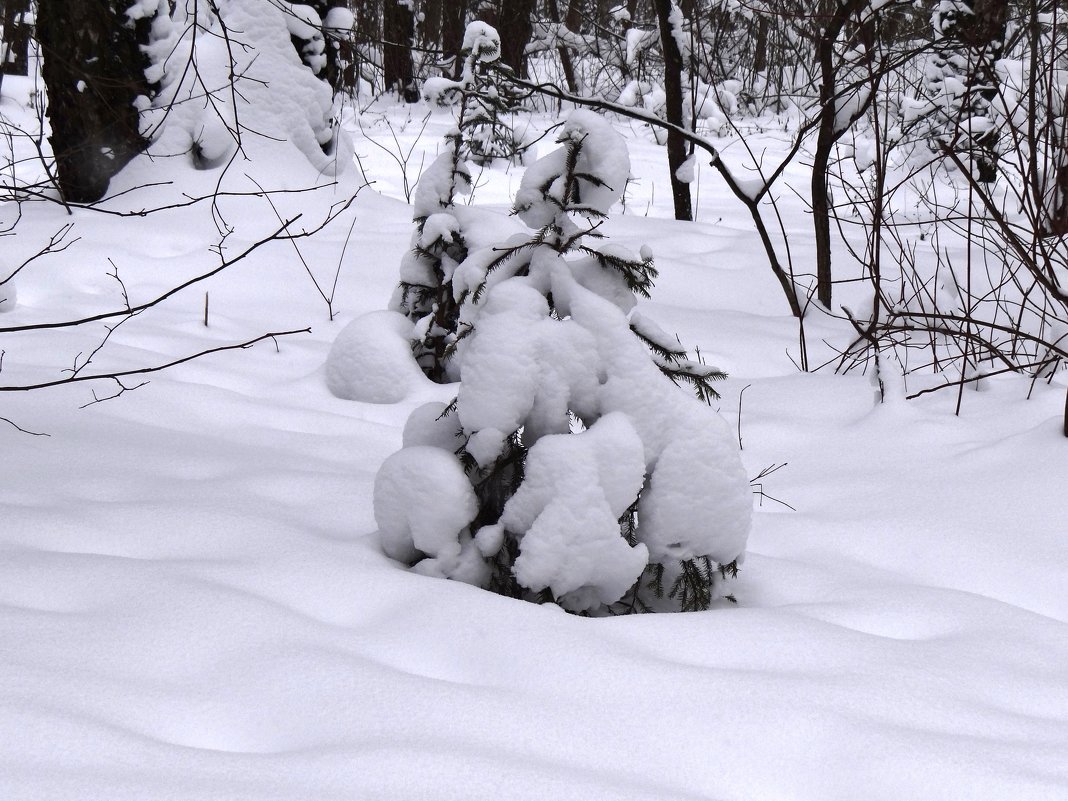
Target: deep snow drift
(194, 605)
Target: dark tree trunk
(515, 28)
(821, 157)
(565, 57)
(453, 19)
(430, 28)
(15, 50)
(760, 47)
(398, 25)
(93, 70)
(676, 144)
(830, 131)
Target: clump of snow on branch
(339, 21)
(305, 24)
(601, 172)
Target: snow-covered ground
(194, 604)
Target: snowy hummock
(371, 360)
(432, 531)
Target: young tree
(571, 468)
(969, 38)
(440, 241)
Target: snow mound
(430, 425)
(371, 360)
(432, 533)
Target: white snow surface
(371, 360)
(9, 296)
(194, 605)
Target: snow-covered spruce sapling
(570, 467)
(488, 102)
(425, 293)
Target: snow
(603, 154)
(371, 360)
(194, 604)
(431, 532)
(440, 181)
(575, 489)
(339, 20)
(442, 92)
(429, 424)
(687, 171)
(302, 20)
(142, 9)
(482, 41)
(278, 107)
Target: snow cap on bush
(482, 41)
(601, 172)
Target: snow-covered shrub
(488, 123)
(230, 78)
(962, 81)
(590, 478)
(439, 242)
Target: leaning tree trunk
(565, 56)
(676, 143)
(93, 71)
(831, 127)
